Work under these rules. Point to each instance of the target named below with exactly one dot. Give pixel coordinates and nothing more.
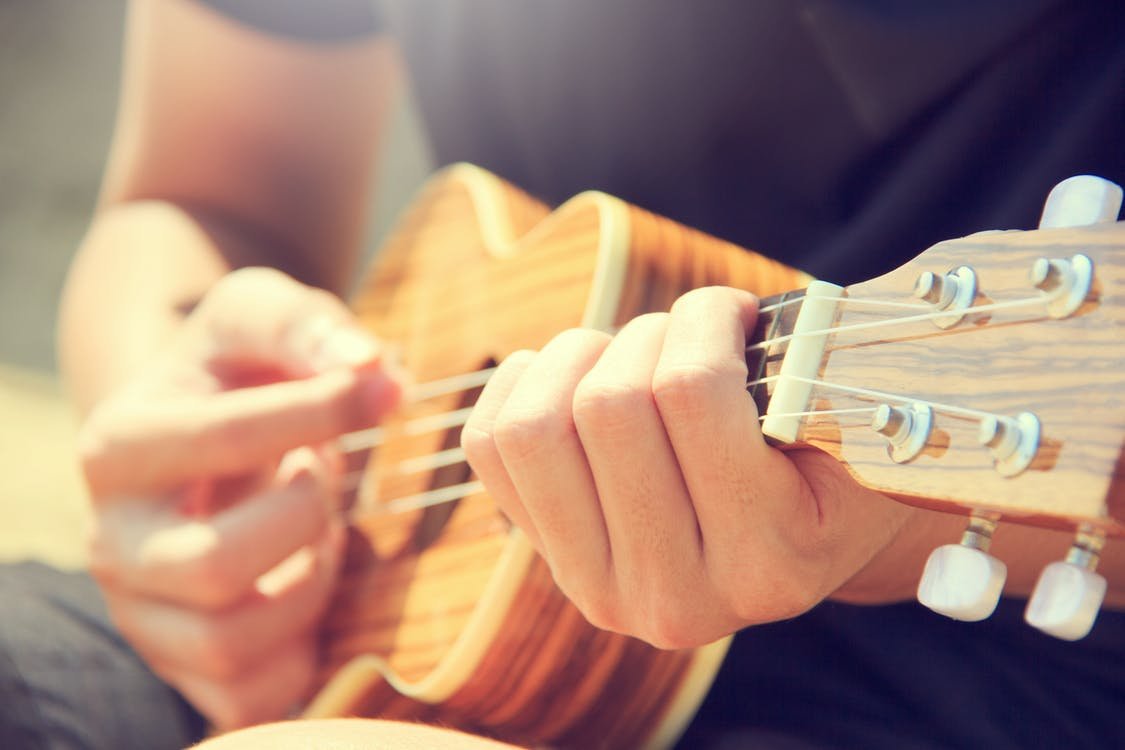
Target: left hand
(637, 468)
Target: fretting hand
(217, 539)
(637, 468)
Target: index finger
(146, 447)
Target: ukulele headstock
(1003, 371)
(985, 377)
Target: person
(213, 372)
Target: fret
(771, 324)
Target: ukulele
(926, 383)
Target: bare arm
(215, 503)
(231, 149)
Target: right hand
(217, 537)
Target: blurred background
(59, 64)
(58, 84)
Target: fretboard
(771, 324)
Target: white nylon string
(1010, 304)
(370, 438)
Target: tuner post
(907, 429)
(1069, 593)
(1065, 283)
(954, 291)
(962, 581)
(1013, 442)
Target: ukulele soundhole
(435, 518)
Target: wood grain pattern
(446, 615)
(1068, 372)
(460, 614)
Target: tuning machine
(1069, 593)
(952, 292)
(906, 428)
(963, 581)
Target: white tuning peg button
(962, 582)
(1066, 600)
(1081, 201)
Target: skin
(211, 392)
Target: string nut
(954, 291)
(907, 429)
(1012, 442)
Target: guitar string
(369, 438)
(850, 301)
(934, 315)
(453, 456)
(949, 409)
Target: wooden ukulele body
(446, 615)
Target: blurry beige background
(58, 85)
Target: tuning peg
(1081, 201)
(954, 291)
(1013, 443)
(1068, 594)
(963, 581)
(906, 428)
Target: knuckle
(684, 388)
(609, 406)
(96, 457)
(237, 282)
(701, 295)
(518, 358)
(600, 611)
(527, 432)
(670, 631)
(579, 338)
(479, 447)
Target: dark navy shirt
(842, 138)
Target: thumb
(262, 318)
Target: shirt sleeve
(317, 21)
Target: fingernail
(348, 347)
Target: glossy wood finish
(446, 615)
(1068, 372)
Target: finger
(652, 527)
(213, 562)
(225, 645)
(478, 441)
(143, 447)
(537, 441)
(266, 693)
(739, 485)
